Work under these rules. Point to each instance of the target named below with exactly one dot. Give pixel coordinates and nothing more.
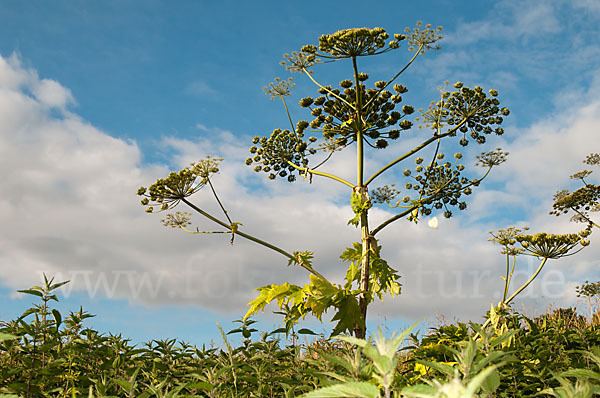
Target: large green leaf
(348, 315)
(320, 294)
(269, 293)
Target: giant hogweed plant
(359, 116)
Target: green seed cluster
(424, 38)
(279, 88)
(588, 289)
(438, 185)
(277, 154)
(593, 159)
(168, 192)
(384, 194)
(334, 113)
(471, 110)
(491, 158)
(583, 200)
(179, 219)
(507, 239)
(441, 184)
(552, 246)
(355, 42)
(542, 245)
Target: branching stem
(320, 173)
(328, 90)
(253, 239)
(415, 150)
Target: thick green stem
(509, 275)
(253, 239)
(506, 280)
(519, 290)
(392, 219)
(363, 298)
(359, 132)
(585, 217)
(360, 331)
(287, 111)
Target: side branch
(411, 209)
(392, 219)
(328, 90)
(253, 239)
(320, 173)
(415, 150)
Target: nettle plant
(364, 117)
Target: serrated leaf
(353, 253)
(319, 293)
(348, 315)
(57, 285)
(269, 293)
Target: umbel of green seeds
(168, 192)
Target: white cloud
(45, 91)
(510, 20)
(51, 93)
(535, 18)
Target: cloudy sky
(100, 98)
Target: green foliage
(384, 279)
(359, 206)
(314, 298)
(556, 354)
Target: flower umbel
(168, 192)
(491, 158)
(279, 88)
(177, 220)
(553, 246)
(507, 238)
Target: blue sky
(98, 98)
